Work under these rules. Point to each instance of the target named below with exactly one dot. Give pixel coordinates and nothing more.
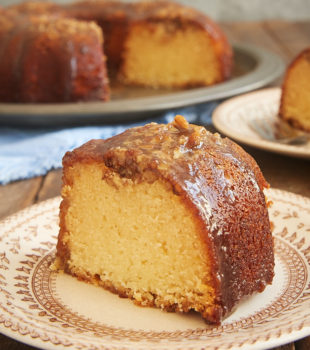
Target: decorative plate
(48, 309)
(254, 68)
(253, 119)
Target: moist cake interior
(156, 56)
(296, 98)
(152, 249)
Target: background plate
(54, 310)
(235, 117)
(254, 68)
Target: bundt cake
(170, 216)
(154, 44)
(295, 96)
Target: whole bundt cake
(295, 96)
(154, 44)
(170, 216)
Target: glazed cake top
(163, 147)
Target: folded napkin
(25, 153)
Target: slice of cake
(170, 216)
(295, 98)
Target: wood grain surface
(284, 38)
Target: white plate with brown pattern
(252, 119)
(52, 310)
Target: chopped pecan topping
(194, 139)
(180, 123)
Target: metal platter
(254, 68)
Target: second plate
(239, 118)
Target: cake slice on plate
(170, 216)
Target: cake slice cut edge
(152, 245)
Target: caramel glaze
(219, 182)
(40, 51)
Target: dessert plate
(242, 118)
(254, 68)
(52, 310)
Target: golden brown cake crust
(219, 183)
(50, 59)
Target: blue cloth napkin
(25, 153)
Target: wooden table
(283, 38)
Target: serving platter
(240, 118)
(254, 67)
(52, 310)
